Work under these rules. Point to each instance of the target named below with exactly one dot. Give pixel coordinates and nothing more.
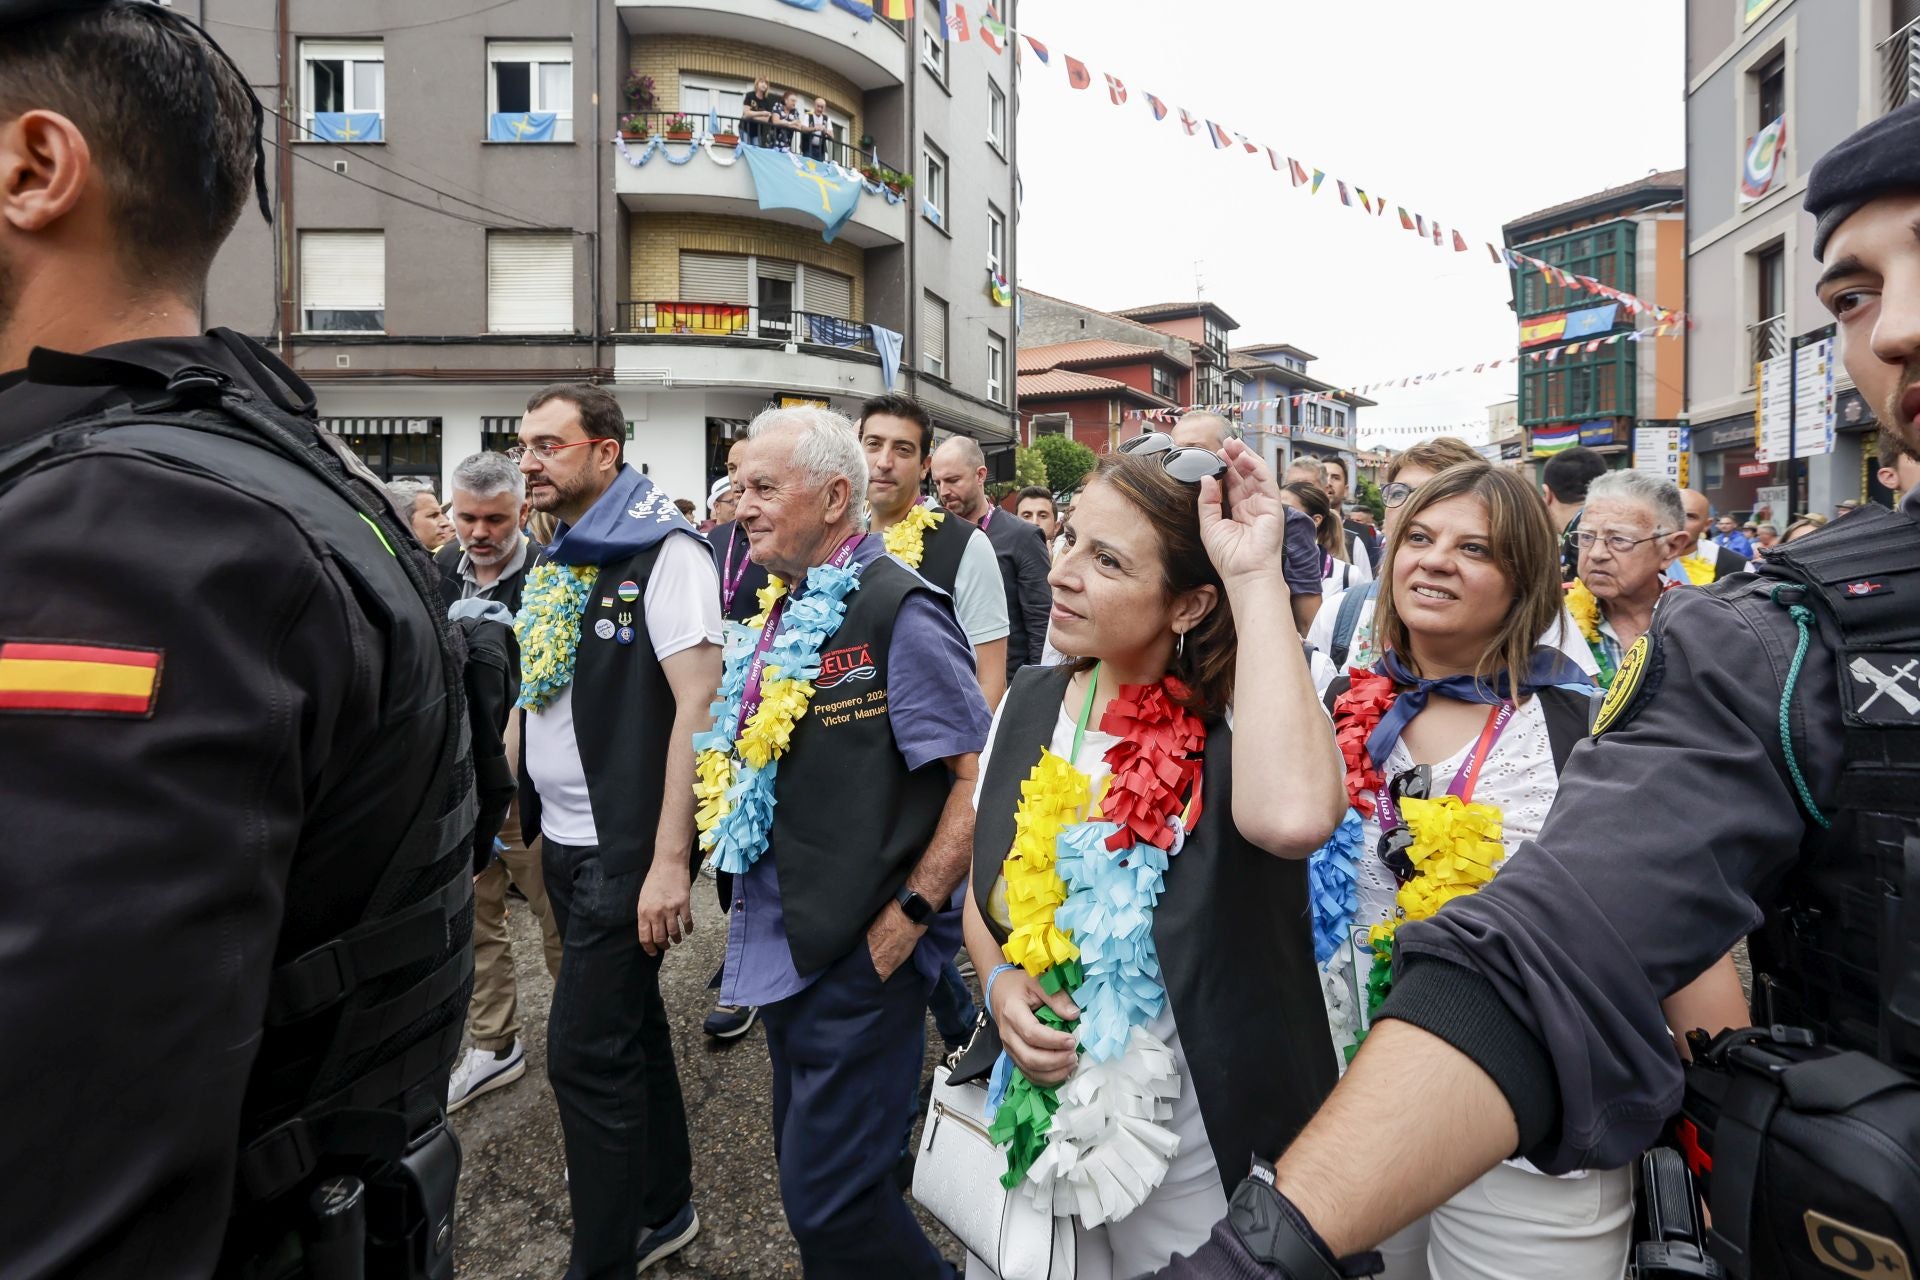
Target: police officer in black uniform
(235, 898)
(1771, 726)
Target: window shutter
(343, 270)
(529, 282)
(933, 333)
(713, 277)
(774, 269)
(828, 293)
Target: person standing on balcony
(954, 556)
(757, 109)
(786, 120)
(819, 128)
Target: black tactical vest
(1841, 953)
(361, 1030)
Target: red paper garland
(1155, 761)
(1355, 715)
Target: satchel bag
(956, 1176)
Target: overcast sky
(1469, 113)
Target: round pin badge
(604, 628)
(629, 591)
(625, 635)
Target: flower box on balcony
(726, 139)
(678, 129)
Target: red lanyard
(1464, 778)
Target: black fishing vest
(849, 819)
(1840, 955)
(942, 548)
(622, 719)
(1232, 931)
(361, 1030)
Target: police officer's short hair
(601, 416)
(1570, 472)
(1662, 497)
(485, 474)
(1038, 492)
(130, 78)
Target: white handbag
(956, 1177)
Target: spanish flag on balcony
(898, 10)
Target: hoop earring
(1179, 645)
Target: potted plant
(678, 128)
(639, 91)
(633, 127)
(726, 137)
(870, 171)
(895, 181)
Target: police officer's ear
(45, 168)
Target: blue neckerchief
(629, 517)
(1549, 667)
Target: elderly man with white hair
(836, 786)
(1632, 528)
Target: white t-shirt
(682, 607)
(979, 593)
(1361, 653)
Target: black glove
(1264, 1237)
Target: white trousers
(1514, 1224)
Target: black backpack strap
(1567, 715)
(1337, 686)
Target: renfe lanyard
(730, 579)
(750, 695)
(987, 519)
(1464, 778)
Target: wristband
(987, 995)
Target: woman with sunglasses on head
(1453, 744)
(1141, 923)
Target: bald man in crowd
(960, 481)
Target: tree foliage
(1067, 462)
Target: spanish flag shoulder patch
(38, 676)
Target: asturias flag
(786, 181)
(520, 126)
(347, 126)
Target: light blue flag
(806, 4)
(713, 121)
(785, 181)
(858, 8)
(520, 126)
(1592, 320)
(348, 126)
(888, 344)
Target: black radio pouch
(1810, 1157)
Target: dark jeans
(846, 1072)
(952, 1006)
(610, 1058)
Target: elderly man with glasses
(1633, 527)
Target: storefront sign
(1732, 433)
(1772, 496)
(1749, 470)
(803, 402)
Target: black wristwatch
(916, 907)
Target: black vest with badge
(942, 548)
(623, 712)
(849, 819)
(1233, 936)
(360, 1030)
(1807, 1127)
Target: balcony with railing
(1767, 338)
(668, 161)
(774, 326)
(871, 52)
(1899, 56)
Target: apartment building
(474, 201)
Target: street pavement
(514, 1219)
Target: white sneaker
(483, 1070)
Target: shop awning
(382, 426)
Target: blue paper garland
(1333, 887)
(1111, 895)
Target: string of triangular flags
(997, 36)
(1547, 355)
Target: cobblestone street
(514, 1220)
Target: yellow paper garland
(1051, 798)
(907, 539)
(1585, 608)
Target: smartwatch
(916, 907)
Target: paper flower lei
(1456, 849)
(548, 628)
(907, 538)
(734, 775)
(1080, 898)
(1585, 608)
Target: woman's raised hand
(1247, 543)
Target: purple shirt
(936, 710)
(1300, 555)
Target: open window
(529, 91)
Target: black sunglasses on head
(1189, 463)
